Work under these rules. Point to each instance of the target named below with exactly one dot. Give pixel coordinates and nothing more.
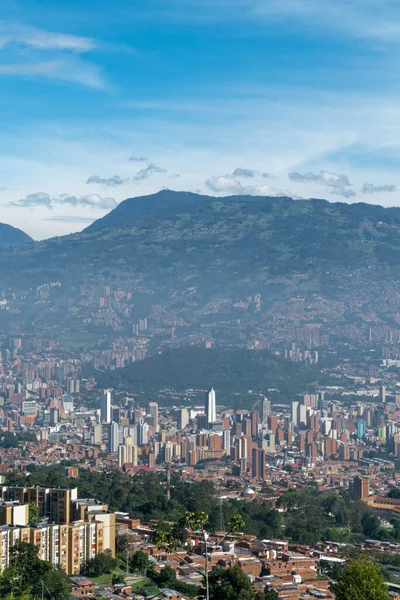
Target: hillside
(232, 372)
(10, 236)
(133, 210)
(195, 265)
(238, 241)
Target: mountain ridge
(11, 236)
(202, 263)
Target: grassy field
(147, 585)
(76, 339)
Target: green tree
(361, 580)
(371, 525)
(28, 576)
(140, 562)
(100, 564)
(230, 584)
(122, 545)
(33, 514)
(117, 578)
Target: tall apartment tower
(183, 418)
(153, 410)
(265, 410)
(211, 406)
(105, 406)
(360, 487)
(113, 438)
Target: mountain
(136, 209)
(235, 372)
(226, 269)
(10, 236)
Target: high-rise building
(142, 433)
(226, 441)
(294, 411)
(183, 418)
(97, 433)
(265, 410)
(105, 406)
(113, 437)
(73, 385)
(360, 487)
(258, 465)
(361, 428)
(54, 414)
(211, 406)
(153, 410)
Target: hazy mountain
(136, 209)
(199, 262)
(10, 236)
(226, 246)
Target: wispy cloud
(68, 70)
(149, 171)
(343, 192)
(69, 219)
(45, 200)
(146, 173)
(46, 40)
(249, 173)
(113, 181)
(335, 183)
(356, 18)
(325, 177)
(139, 159)
(370, 188)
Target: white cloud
(367, 19)
(139, 159)
(42, 199)
(45, 40)
(74, 71)
(228, 184)
(249, 173)
(370, 188)
(333, 180)
(113, 181)
(149, 171)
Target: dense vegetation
(232, 372)
(15, 440)
(230, 247)
(28, 577)
(361, 580)
(310, 516)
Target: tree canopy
(361, 580)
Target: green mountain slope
(196, 265)
(239, 242)
(10, 236)
(232, 372)
(133, 210)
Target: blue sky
(100, 101)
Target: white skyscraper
(105, 406)
(226, 440)
(294, 412)
(113, 437)
(142, 433)
(211, 406)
